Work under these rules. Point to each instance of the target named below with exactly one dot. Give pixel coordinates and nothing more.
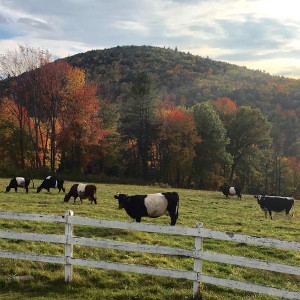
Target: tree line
(53, 120)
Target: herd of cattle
(151, 205)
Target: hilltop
(186, 79)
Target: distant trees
(172, 122)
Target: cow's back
(277, 204)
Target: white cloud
(247, 32)
(130, 25)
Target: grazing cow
(275, 203)
(18, 182)
(231, 191)
(152, 205)
(82, 191)
(51, 182)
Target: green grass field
(240, 216)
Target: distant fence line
(198, 254)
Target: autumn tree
(175, 145)
(225, 105)
(81, 136)
(18, 67)
(9, 131)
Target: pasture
(212, 208)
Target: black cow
(231, 191)
(82, 191)
(275, 203)
(51, 182)
(18, 182)
(152, 205)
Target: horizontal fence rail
(198, 254)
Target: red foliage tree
(175, 148)
(225, 105)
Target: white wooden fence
(198, 254)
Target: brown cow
(82, 191)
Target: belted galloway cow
(231, 191)
(18, 182)
(152, 205)
(51, 182)
(82, 191)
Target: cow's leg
(63, 189)
(26, 188)
(266, 213)
(80, 200)
(138, 219)
(270, 213)
(74, 199)
(173, 218)
(16, 189)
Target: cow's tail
(293, 210)
(177, 206)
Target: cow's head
(67, 198)
(122, 200)
(258, 197)
(38, 189)
(7, 188)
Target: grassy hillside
(186, 79)
(211, 208)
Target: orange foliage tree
(18, 67)
(175, 146)
(81, 137)
(225, 105)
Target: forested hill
(187, 79)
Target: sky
(258, 34)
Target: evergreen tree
(139, 121)
(210, 152)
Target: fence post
(68, 246)
(198, 262)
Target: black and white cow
(51, 182)
(18, 182)
(152, 205)
(231, 191)
(82, 191)
(275, 203)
